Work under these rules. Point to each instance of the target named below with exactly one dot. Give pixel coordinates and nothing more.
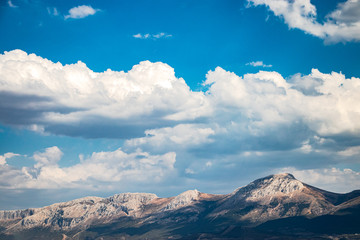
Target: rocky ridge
(78, 212)
(273, 197)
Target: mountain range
(274, 207)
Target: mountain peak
(272, 197)
(282, 183)
(183, 199)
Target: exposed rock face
(80, 212)
(273, 185)
(130, 203)
(272, 197)
(183, 199)
(16, 214)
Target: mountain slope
(274, 197)
(276, 201)
(343, 221)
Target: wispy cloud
(53, 11)
(152, 36)
(340, 25)
(81, 12)
(258, 64)
(142, 36)
(11, 4)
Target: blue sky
(101, 97)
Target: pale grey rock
(279, 184)
(16, 214)
(183, 199)
(131, 203)
(80, 212)
(273, 197)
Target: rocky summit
(277, 206)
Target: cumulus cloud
(100, 170)
(266, 99)
(81, 12)
(150, 102)
(340, 25)
(48, 158)
(152, 36)
(346, 13)
(180, 136)
(57, 98)
(149, 99)
(338, 180)
(237, 123)
(259, 64)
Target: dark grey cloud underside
(26, 109)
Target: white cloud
(237, 117)
(6, 156)
(37, 128)
(189, 171)
(152, 36)
(182, 135)
(81, 12)
(50, 157)
(346, 13)
(149, 100)
(208, 164)
(162, 35)
(11, 4)
(240, 126)
(56, 98)
(350, 151)
(53, 11)
(343, 24)
(141, 36)
(332, 179)
(102, 170)
(259, 64)
(266, 99)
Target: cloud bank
(240, 126)
(149, 96)
(48, 96)
(100, 171)
(340, 25)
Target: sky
(104, 97)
